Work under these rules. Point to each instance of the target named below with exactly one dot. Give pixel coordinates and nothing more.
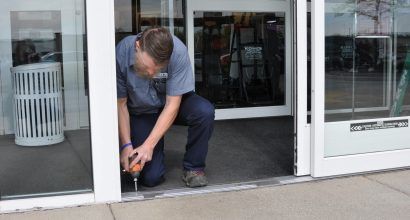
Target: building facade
(332, 75)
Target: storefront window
(367, 44)
(133, 16)
(45, 144)
(240, 58)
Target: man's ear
(138, 44)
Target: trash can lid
(36, 66)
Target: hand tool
(135, 171)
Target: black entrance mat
(239, 151)
(55, 169)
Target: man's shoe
(194, 178)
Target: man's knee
(205, 111)
(151, 180)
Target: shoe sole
(194, 185)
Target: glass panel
(133, 16)
(45, 146)
(367, 67)
(371, 72)
(338, 60)
(402, 49)
(366, 46)
(240, 58)
(373, 17)
(309, 65)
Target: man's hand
(165, 120)
(144, 154)
(124, 158)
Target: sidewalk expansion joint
(388, 186)
(112, 213)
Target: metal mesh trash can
(38, 114)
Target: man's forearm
(123, 123)
(164, 122)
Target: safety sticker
(375, 125)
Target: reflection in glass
(367, 43)
(402, 48)
(309, 66)
(371, 72)
(45, 144)
(133, 16)
(338, 60)
(373, 17)
(240, 58)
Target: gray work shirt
(148, 95)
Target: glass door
(361, 67)
(241, 56)
(45, 146)
(50, 63)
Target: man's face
(145, 65)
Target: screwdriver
(135, 171)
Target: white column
(318, 85)
(103, 100)
(302, 128)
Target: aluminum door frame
(338, 165)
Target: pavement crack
(112, 213)
(388, 186)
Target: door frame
(302, 127)
(248, 6)
(338, 165)
(103, 103)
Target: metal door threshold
(275, 181)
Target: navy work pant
(195, 112)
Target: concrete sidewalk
(374, 196)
